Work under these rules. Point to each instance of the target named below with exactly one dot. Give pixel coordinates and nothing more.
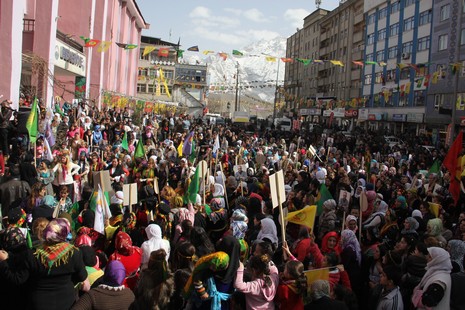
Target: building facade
(446, 98)
(397, 63)
(47, 58)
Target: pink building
(43, 54)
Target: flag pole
(224, 186)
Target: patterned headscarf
(17, 217)
(239, 228)
(457, 251)
(349, 240)
(13, 238)
(129, 221)
(123, 244)
(57, 231)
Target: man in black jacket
(5, 114)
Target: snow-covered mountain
(257, 75)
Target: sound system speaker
(22, 117)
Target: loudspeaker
(22, 117)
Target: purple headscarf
(349, 240)
(115, 273)
(57, 231)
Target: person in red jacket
(306, 250)
(292, 286)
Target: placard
(130, 195)
(278, 194)
(102, 178)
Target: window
(424, 43)
(379, 78)
(370, 38)
(438, 101)
(142, 72)
(141, 88)
(392, 52)
(425, 17)
(407, 47)
(462, 36)
(405, 73)
(382, 13)
(367, 79)
(371, 19)
(382, 34)
(445, 12)
(369, 57)
(419, 97)
(408, 24)
(409, 2)
(390, 75)
(394, 30)
(395, 7)
(380, 56)
(152, 88)
(443, 42)
(163, 91)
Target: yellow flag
(434, 80)
(458, 103)
(104, 46)
(337, 63)
(207, 52)
(407, 88)
(180, 148)
(162, 77)
(270, 59)
(305, 216)
(148, 50)
(316, 274)
(434, 208)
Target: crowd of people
(388, 232)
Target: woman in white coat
(155, 242)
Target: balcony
(358, 17)
(358, 37)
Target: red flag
(92, 43)
(453, 164)
(163, 52)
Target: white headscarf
(154, 243)
(268, 231)
(440, 263)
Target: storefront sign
(362, 114)
(340, 112)
(351, 113)
(415, 117)
(399, 117)
(69, 59)
(310, 112)
(375, 117)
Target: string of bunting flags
(113, 100)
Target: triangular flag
(180, 149)
(435, 167)
(318, 61)
(104, 46)
(452, 163)
(194, 186)
(370, 62)
(148, 50)
(270, 59)
(434, 80)
(434, 208)
(163, 52)
(85, 39)
(358, 63)
(163, 80)
(193, 48)
(237, 53)
(305, 216)
(32, 122)
(382, 64)
(337, 63)
(124, 143)
(223, 55)
(130, 46)
(287, 60)
(91, 43)
(122, 45)
(407, 88)
(140, 151)
(180, 53)
(187, 145)
(304, 61)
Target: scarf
(55, 255)
(64, 171)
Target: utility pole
(236, 106)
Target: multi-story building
(446, 98)
(43, 54)
(396, 57)
(326, 35)
(164, 57)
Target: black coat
(326, 303)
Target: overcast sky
(225, 25)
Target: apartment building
(397, 63)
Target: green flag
(323, 195)
(124, 143)
(180, 53)
(237, 53)
(32, 123)
(139, 152)
(192, 155)
(435, 168)
(194, 186)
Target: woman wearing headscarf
(434, 229)
(328, 218)
(155, 242)
(268, 232)
(54, 270)
(410, 227)
(330, 244)
(321, 298)
(155, 285)
(111, 294)
(457, 253)
(351, 257)
(389, 233)
(376, 220)
(434, 289)
(351, 223)
(126, 253)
